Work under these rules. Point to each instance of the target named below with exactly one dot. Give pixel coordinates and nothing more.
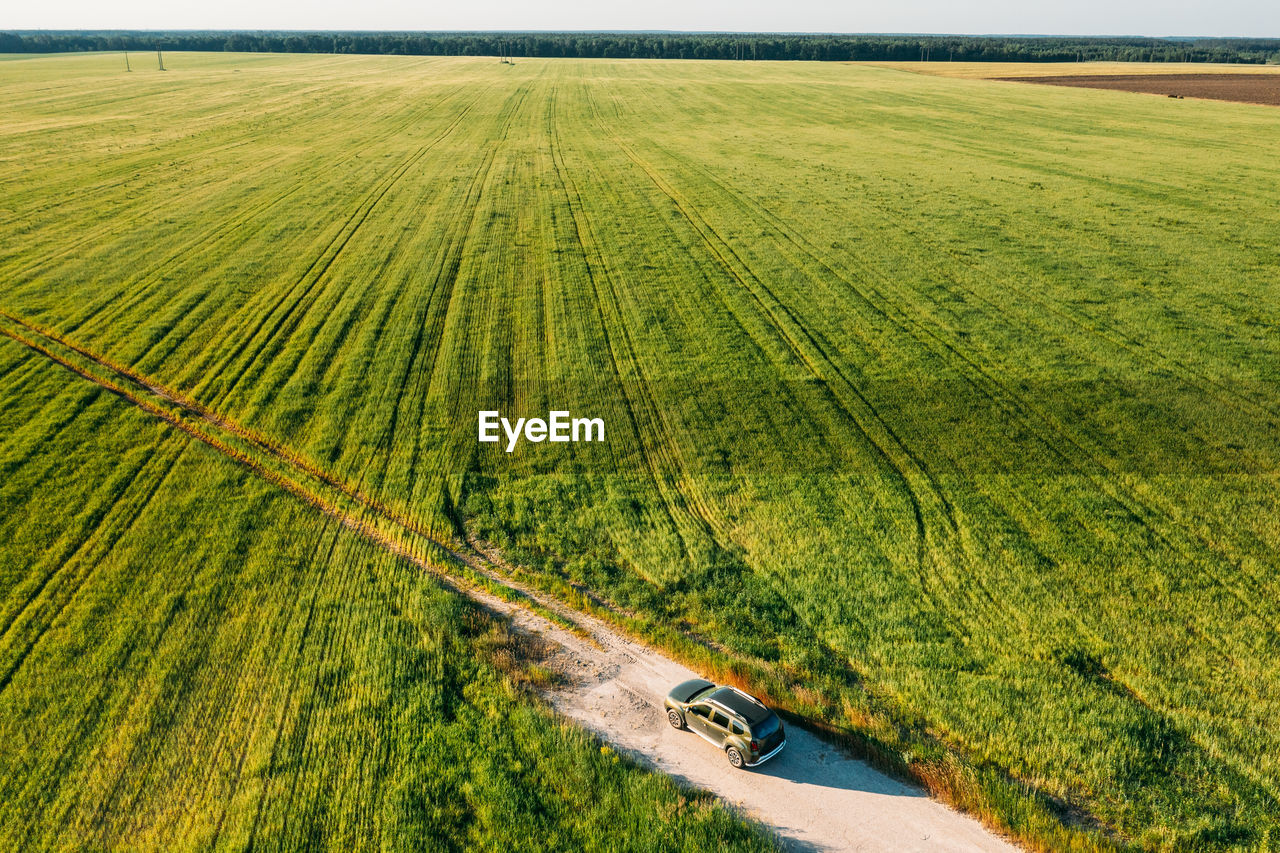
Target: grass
(943, 408)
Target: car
(748, 732)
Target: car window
(766, 727)
(700, 710)
(736, 728)
(720, 720)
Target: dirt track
(812, 795)
(1241, 88)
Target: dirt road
(815, 797)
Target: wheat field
(944, 411)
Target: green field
(945, 411)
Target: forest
(663, 45)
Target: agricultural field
(1221, 82)
(942, 411)
(999, 70)
(1245, 88)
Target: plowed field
(1244, 88)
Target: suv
(748, 732)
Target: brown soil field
(1244, 88)
(998, 70)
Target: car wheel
(674, 718)
(735, 757)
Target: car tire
(735, 757)
(674, 718)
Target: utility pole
(159, 58)
(126, 61)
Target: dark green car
(747, 731)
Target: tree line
(763, 46)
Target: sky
(1259, 18)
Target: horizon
(638, 32)
(976, 18)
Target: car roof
(686, 690)
(741, 704)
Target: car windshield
(703, 692)
(766, 727)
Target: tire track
(1085, 462)
(118, 226)
(711, 524)
(300, 356)
(445, 283)
(366, 516)
(1048, 431)
(299, 655)
(284, 325)
(284, 108)
(589, 247)
(123, 504)
(809, 352)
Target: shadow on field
(808, 761)
(827, 789)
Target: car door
(699, 719)
(718, 727)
